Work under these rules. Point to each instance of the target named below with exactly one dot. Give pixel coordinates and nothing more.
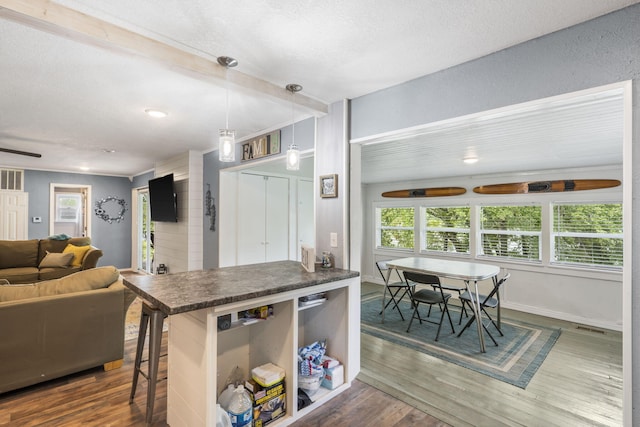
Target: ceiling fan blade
(22, 153)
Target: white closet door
(14, 224)
(251, 219)
(277, 215)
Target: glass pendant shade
(227, 146)
(293, 158)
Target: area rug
(132, 321)
(515, 360)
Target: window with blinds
(511, 232)
(395, 227)
(588, 234)
(446, 229)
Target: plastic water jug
(240, 408)
(225, 397)
(222, 418)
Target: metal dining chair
(490, 300)
(430, 297)
(395, 288)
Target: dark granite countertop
(194, 290)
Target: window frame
(540, 234)
(424, 229)
(378, 227)
(553, 235)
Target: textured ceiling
(70, 98)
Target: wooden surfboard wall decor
(426, 192)
(547, 186)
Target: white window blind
(446, 229)
(588, 234)
(511, 232)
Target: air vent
(589, 329)
(11, 179)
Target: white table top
(445, 268)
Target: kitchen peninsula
(201, 357)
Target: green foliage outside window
(588, 234)
(447, 229)
(396, 228)
(511, 231)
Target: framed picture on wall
(329, 185)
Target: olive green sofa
(57, 327)
(29, 261)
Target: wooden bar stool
(155, 317)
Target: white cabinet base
(201, 357)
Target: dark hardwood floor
(98, 398)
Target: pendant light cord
(226, 79)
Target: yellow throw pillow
(78, 253)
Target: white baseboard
(562, 316)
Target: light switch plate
(333, 237)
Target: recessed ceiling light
(84, 168)
(156, 113)
(470, 160)
(108, 150)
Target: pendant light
(293, 154)
(227, 141)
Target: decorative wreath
(102, 213)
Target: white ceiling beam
(62, 21)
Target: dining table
(469, 272)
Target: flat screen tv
(162, 199)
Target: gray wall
(114, 239)
(305, 140)
(142, 180)
(602, 51)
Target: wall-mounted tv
(162, 199)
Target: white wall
(179, 245)
(578, 295)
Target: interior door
(144, 243)
(14, 224)
(251, 220)
(263, 219)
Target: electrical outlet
(333, 238)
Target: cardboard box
(269, 403)
(269, 410)
(333, 377)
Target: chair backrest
(425, 279)
(497, 286)
(382, 268)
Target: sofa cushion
(56, 273)
(56, 260)
(78, 253)
(18, 253)
(20, 274)
(86, 280)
